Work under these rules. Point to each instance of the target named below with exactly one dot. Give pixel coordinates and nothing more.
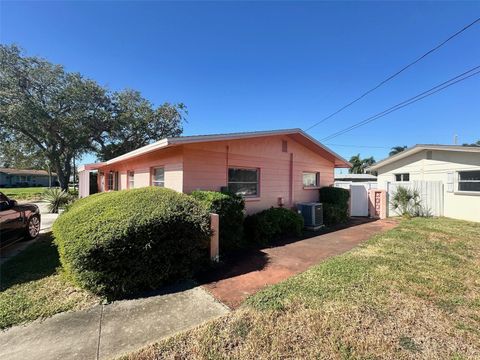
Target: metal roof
(355, 176)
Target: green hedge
(123, 242)
(334, 195)
(230, 208)
(334, 214)
(335, 205)
(268, 225)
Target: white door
(358, 200)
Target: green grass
(30, 193)
(31, 287)
(412, 292)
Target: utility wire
(360, 146)
(464, 76)
(395, 74)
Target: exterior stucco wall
(457, 204)
(206, 168)
(170, 159)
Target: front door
(358, 200)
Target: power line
(395, 74)
(361, 146)
(464, 76)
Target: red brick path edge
(256, 269)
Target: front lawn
(29, 193)
(31, 286)
(412, 292)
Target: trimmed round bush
(231, 209)
(123, 242)
(271, 224)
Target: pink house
(268, 168)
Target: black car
(17, 221)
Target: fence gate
(358, 200)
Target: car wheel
(33, 227)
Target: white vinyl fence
(431, 194)
(358, 195)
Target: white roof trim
(168, 142)
(420, 147)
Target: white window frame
(466, 181)
(245, 182)
(317, 179)
(402, 175)
(114, 176)
(130, 179)
(158, 182)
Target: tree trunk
(63, 172)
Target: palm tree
(396, 150)
(356, 165)
(367, 162)
(360, 165)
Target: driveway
(46, 223)
(107, 331)
(253, 270)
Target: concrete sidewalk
(107, 331)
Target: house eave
(339, 162)
(421, 147)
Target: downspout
(226, 165)
(290, 193)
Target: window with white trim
(158, 176)
(311, 179)
(244, 181)
(131, 179)
(110, 181)
(402, 177)
(469, 180)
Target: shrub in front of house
(231, 210)
(335, 205)
(271, 224)
(123, 242)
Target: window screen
(158, 177)
(243, 181)
(469, 180)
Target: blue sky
(243, 66)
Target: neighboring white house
(454, 170)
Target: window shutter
(450, 182)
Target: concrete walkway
(107, 331)
(253, 270)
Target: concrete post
(214, 239)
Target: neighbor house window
(469, 180)
(243, 181)
(311, 179)
(131, 179)
(402, 177)
(158, 177)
